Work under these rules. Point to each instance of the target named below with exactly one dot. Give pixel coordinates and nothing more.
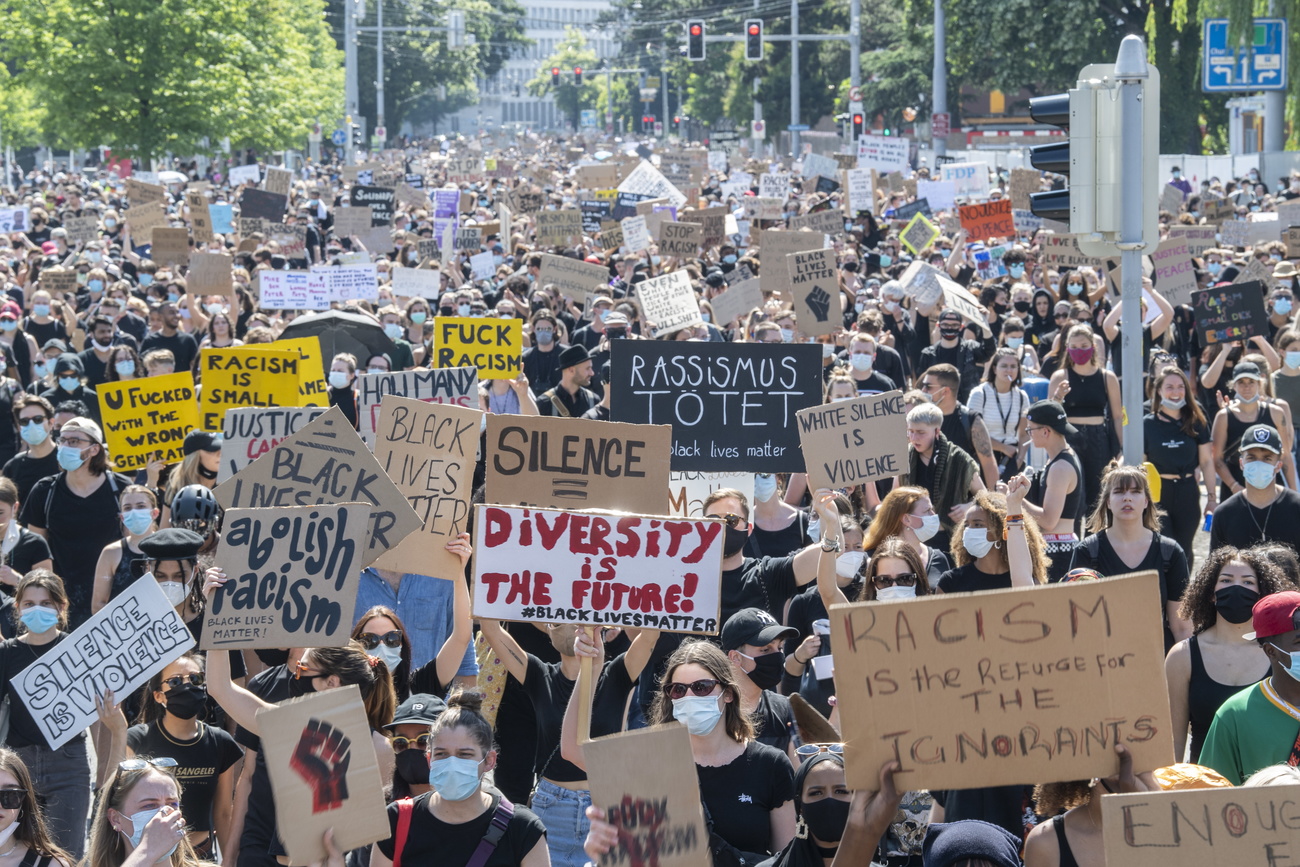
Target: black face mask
(300, 686)
(446, 311)
(949, 333)
(1001, 309)
(413, 766)
(768, 669)
(826, 818)
(186, 702)
(206, 473)
(1021, 306)
(272, 657)
(1235, 602)
(734, 540)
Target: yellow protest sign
(246, 376)
(145, 417)
(312, 390)
(494, 346)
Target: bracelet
(1008, 527)
(1015, 519)
(831, 545)
(797, 660)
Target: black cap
(755, 627)
(201, 440)
(1050, 413)
(1246, 370)
(574, 355)
(172, 543)
(1261, 436)
(419, 708)
(715, 279)
(55, 343)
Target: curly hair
(710, 657)
(995, 507)
(1197, 606)
(1051, 799)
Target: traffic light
(754, 39)
(647, 122)
(857, 125)
(577, 75)
(1057, 110)
(555, 76)
(695, 39)
(357, 138)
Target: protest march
(526, 500)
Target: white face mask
(885, 594)
(976, 541)
(848, 563)
(929, 526)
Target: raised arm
(452, 653)
(827, 587)
(505, 646)
(1020, 563)
(239, 703)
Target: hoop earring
(801, 829)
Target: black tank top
(1073, 506)
(1067, 854)
(1204, 697)
(129, 568)
(1087, 395)
(1236, 428)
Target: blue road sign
(1258, 62)
(797, 127)
(339, 137)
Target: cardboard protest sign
(815, 288)
(277, 180)
(1258, 271)
(324, 773)
(737, 301)
(680, 239)
(762, 207)
(348, 282)
(251, 432)
(1171, 199)
(646, 180)
(669, 303)
(569, 463)
(143, 219)
(861, 196)
(661, 573)
(210, 274)
(919, 234)
(1235, 312)
(293, 573)
(1175, 275)
(611, 235)
(642, 781)
(1234, 233)
(255, 204)
(957, 298)
(1291, 237)
(573, 276)
(987, 220)
(351, 221)
(457, 386)
(1024, 183)
(170, 246)
(1063, 251)
(149, 417)
(1004, 687)
(825, 222)
(325, 462)
(713, 222)
(1198, 238)
(416, 282)
(775, 245)
(136, 635)
(292, 240)
(687, 491)
(139, 193)
(852, 442)
(312, 388)
(558, 228)
(243, 376)
(920, 281)
(59, 280)
(1202, 827)
(81, 230)
(732, 405)
(494, 346)
(1216, 210)
(428, 450)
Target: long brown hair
(1190, 414)
(402, 674)
(889, 516)
(51, 584)
(32, 830)
(150, 709)
(1123, 478)
(352, 664)
(107, 847)
(1080, 330)
(710, 657)
(898, 549)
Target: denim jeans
(564, 813)
(62, 781)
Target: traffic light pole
(1131, 72)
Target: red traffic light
(857, 119)
(555, 70)
(577, 70)
(696, 30)
(754, 30)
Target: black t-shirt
(550, 690)
(780, 543)
(1173, 577)
(259, 845)
(430, 840)
(1169, 447)
(54, 329)
(543, 368)
(30, 550)
(998, 805)
(740, 796)
(774, 720)
(874, 382)
(15, 656)
(26, 471)
(765, 583)
(199, 762)
(182, 345)
(77, 529)
(969, 579)
(1238, 523)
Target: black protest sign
(732, 406)
(325, 462)
(380, 200)
(625, 204)
(911, 209)
(593, 212)
(257, 204)
(1229, 313)
(815, 287)
(293, 573)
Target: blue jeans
(62, 781)
(564, 813)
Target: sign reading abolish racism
(1032, 684)
(548, 566)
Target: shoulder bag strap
(500, 821)
(1294, 759)
(405, 807)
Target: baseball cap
(9, 308)
(755, 627)
(201, 440)
(81, 424)
(1261, 436)
(419, 708)
(1246, 370)
(1275, 614)
(1050, 413)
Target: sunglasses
(389, 639)
(699, 688)
(139, 764)
(400, 743)
(300, 671)
(906, 579)
(176, 681)
(814, 749)
(732, 521)
(12, 799)
(1061, 316)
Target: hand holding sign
(322, 758)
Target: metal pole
(1274, 110)
(855, 43)
(609, 100)
(939, 92)
(664, 123)
(1131, 72)
(794, 78)
(350, 74)
(379, 65)
(758, 106)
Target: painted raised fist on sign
(819, 303)
(321, 758)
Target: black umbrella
(342, 332)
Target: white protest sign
(245, 175)
(292, 290)
(861, 196)
(921, 282)
(941, 195)
(350, 282)
(661, 573)
(636, 234)
(968, 179)
(250, 432)
(453, 385)
(647, 180)
(957, 298)
(416, 282)
(688, 491)
(482, 265)
(816, 164)
(137, 634)
(883, 154)
(14, 220)
(669, 303)
(774, 185)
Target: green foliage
(21, 115)
(570, 97)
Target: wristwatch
(829, 545)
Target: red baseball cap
(1275, 614)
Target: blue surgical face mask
(885, 261)
(69, 383)
(1258, 474)
(544, 336)
(1292, 359)
(41, 368)
(110, 223)
(1016, 271)
(125, 368)
(34, 433)
(729, 259)
(145, 280)
(700, 714)
(1214, 268)
(39, 619)
(70, 459)
(95, 285)
(393, 330)
(418, 316)
(137, 521)
(461, 310)
(8, 325)
(173, 297)
(454, 778)
(787, 335)
(1292, 667)
(976, 541)
(1282, 306)
(1015, 342)
(339, 379)
(40, 310)
(1074, 288)
(138, 823)
(764, 487)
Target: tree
(147, 77)
(570, 97)
(21, 115)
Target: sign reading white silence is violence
(549, 565)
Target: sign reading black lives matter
(137, 634)
(815, 285)
(732, 406)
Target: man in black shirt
(863, 353)
(541, 361)
(1263, 510)
(966, 355)
(964, 428)
(26, 468)
(752, 640)
(571, 398)
(183, 346)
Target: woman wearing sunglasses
(170, 725)
(383, 634)
(821, 803)
(24, 838)
(747, 788)
(139, 819)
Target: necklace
(6, 853)
(1262, 530)
(1282, 704)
